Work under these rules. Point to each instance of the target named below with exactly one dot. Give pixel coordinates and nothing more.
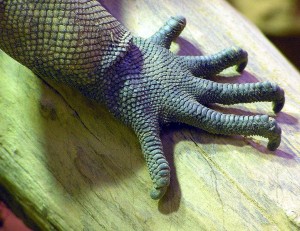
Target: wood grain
(67, 164)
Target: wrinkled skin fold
(140, 81)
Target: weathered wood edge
(24, 209)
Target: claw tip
(158, 193)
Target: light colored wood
(67, 164)
(273, 17)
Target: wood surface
(67, 164)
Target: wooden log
(67, 164)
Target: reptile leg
(206, 66)
(189, 111)
(211, 92)
(168, 32)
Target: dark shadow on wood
(189, 48)
(82, 166)
(108, 4)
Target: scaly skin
(140, 80)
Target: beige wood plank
(67, 164)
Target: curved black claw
(242, 58)
(278, 104)
(275, 139)
(157, 193)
